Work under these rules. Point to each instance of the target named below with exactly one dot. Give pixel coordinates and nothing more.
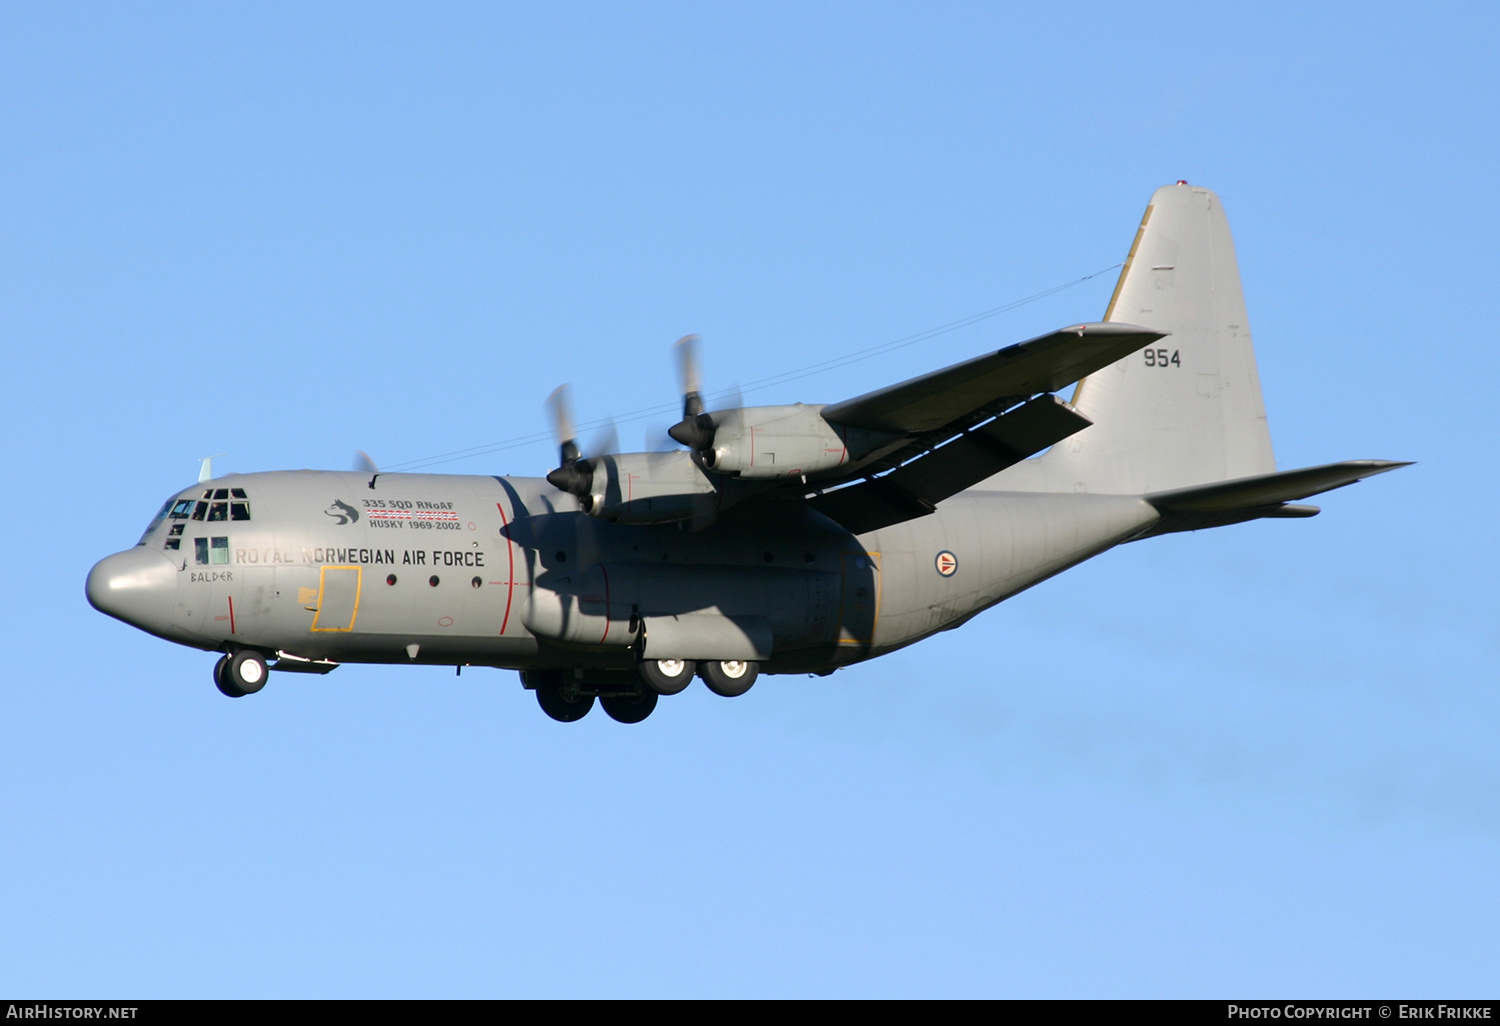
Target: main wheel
(222, 683)
(629, 708)
(666, 676)
(549, 695)
(731, 677)
(245, 671)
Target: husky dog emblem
(343, 512)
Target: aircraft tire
(667, 676)
(730, 678)
(550, 697)
(629, 708)
(246, 671)
(222, 683)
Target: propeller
(656, 440)
(730, 399)
(559, 406)
(696, 428)
(575, 474)
(605, 440)
(363, 463)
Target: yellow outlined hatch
(338, 598)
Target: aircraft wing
(925, 439)
(915, 488)
(947, 453)
(993, 381)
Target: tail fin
(1188, 410)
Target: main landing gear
(729, 678)
(631, 697)
(241, 673)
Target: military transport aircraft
(780, 539)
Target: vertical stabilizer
(1188, 410)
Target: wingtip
(1118, 329)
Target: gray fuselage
(508, 572)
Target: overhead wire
(759, 384)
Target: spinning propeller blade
(559, 406)
(695, 430)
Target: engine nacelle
(777, 442)
(649, 488)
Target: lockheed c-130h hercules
(780, 539)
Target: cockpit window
(161, 515)
(216, 509)
(217, 505)
(209, 551)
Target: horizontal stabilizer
(1252, 498)
(999, 379)
(1268, 489)
(915, 489)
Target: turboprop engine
(641, 487)
(772, 442)
(765, 443)
(734, 453)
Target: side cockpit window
(161, 515)
(207, 551)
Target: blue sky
(1254, 761)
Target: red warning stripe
(510, 551)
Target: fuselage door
(338, 598)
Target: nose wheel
(241, 673)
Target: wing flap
(1043, 364)
(915, 489)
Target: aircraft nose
(137, 586)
